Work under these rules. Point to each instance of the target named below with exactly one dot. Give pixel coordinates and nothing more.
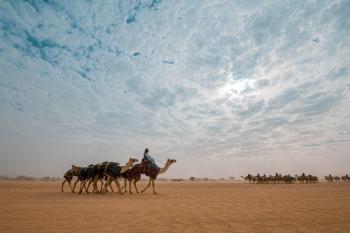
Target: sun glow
(235, 88)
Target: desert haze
(38, 206)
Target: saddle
(149, 170)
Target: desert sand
(179, 207)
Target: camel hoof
(155, 193)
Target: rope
(106, 167)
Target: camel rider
(149, 159)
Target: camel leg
(104, 187)
(118, 186)
(108, 182)
(125, 185)
(154, 191)
(96, 190)
(102, 184)
(135, 181)
(62, 185)
(149, 184)
(75, 183)
(89, 185)
(70, 186)
(82, 185)
(130, 192)
(110, 185)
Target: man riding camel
(147, 158)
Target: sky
(224, 87)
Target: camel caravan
(104, 174)
(280, 179)
(288, 179)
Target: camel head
(75, 168)
(170, 161)
(129, 164)
(132, 161)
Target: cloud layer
(219, 85)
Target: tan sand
(179, 207)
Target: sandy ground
(179, 207)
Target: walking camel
(68, 176)
(93, 174)
(113, 171)
(99, 177)
(133, 175)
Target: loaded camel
(345, 178)
(113, 171)
(329, 178)
(133, 175)
(86, 174)
(94, 173)
(100, 174)
(68, 176)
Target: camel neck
(125, 168)
(164, 169)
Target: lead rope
(106, 167)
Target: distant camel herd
(107, 172)
(288, 179)
(331, 178)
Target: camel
(113, 171)
(134, 174)
(85, 175)
(329, 178)
(345, 178)
(88, 174)
(99, 177)
(68, 176)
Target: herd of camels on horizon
(107, 172)
(288, 179)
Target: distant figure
(148, 158)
